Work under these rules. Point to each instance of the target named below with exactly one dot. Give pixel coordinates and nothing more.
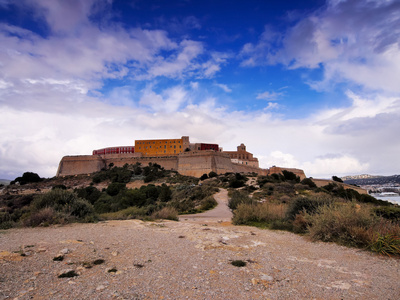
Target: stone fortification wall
(193, 163)
(239, 168)
(119, 160)
(82, 164)
(86, 164)
(197, 163)
(278, 170)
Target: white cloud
(355, 41)
(323, 145)
(269, 95)
(50, 106)
(340, 166)
(224, 87)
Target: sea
(393, 199)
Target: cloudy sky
(307, 84)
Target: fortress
(172, 154)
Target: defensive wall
(192, 163)
(82, 164)
(277, 170)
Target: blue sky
(306, 84)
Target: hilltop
(375, 180)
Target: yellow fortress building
(164, 147)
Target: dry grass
(167, 212)
(264, 212)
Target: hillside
(280, 201)
(381, 180)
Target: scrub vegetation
(330, 213)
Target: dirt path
(220, 213)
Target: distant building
(203, 147)
(164, 147)
(241, 156)
(114, 150)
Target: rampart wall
(197, 163)
(82, 164)
(278, 170)
(193, 163)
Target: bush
(212, 174)
(89, 193)
(203, 177)
(346, 224)
(308, 204)
(268, 213)
(337, 179)
(309, 182)
(386, 244)
(44, 216)
(390, 213)
(238, 197)
(27, 177)
(114, 188)
(62, 202)
(165, 194)
(235, 183)
(208, 203)
(290, 176)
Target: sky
(310, 84)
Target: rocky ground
(189, 259)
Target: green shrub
(308, 204)
(290, 176)
(165, 194)
(212, 174)
(103, 204)
(89, 193)
(208, 203)
(203, 177)
(27, 177)
(386, 244)
(390, 213)
(238, 197)
(309, 182)
(114, 188)
(235, 183)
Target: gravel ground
(189, 259)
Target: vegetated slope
(375, 181)
(280, 201)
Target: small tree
(203, 177)
(212, 174)
(337, 179)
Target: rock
(114, 253)
(100, 287)
(65, 251)
(68, 273)
(266, 277)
